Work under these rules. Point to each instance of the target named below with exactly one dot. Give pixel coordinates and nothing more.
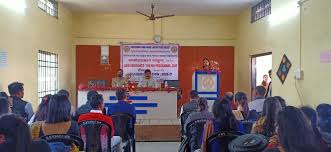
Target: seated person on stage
(192, 105)
(257, 104)
(122, 106)
(202, 113)
(148, 80)
(119, 81)
(97, 105)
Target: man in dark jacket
(20, 107)
(85, 108)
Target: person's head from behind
(310, 113)
(16, 89)
(194, 95)
(97, 102)
(148, 74)
(223, 113)
(272, 109)
(229, 95)
(324, 111)
(42, 111)
(324, 117)
(58, 109)
(260, 91)
(270, 73)
(64, 92)
(4, 94)
(121, 94)
(281, 100)
(90, 94)
(4, 105)
(14, 133)
(202, 104)
(295, 133)
(241, 98)
(119, 73)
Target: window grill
(260, 10)
(49, 6)
(48, 73)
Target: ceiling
(178, 7)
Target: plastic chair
(96, 136)
(183, 118)
(66, 139)
(194, 132)
(124, 127)
(221, 140)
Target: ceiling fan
(152, 17)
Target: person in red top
(96, 114)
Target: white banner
(161, 59)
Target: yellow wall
(23, 34)
(279, 36)
(111, 29)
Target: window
(48, 73)
(261, 10)
(49, 6)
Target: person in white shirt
(257, 104)
(148, 80)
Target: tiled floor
(157, 146)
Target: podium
(207, 84)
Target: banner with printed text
(161, 59)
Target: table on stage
(150, 105)
(156, 113)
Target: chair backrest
(124, 126)
(220, 141)
(248, 124)
(66, 139)
(96, 136)
(183, 118)
(194, 132)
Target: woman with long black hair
(224, 121)
(294, 133)
(266, 125)
(15, 136)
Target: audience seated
(42, 111)
(312, 117)
(122, 106)
(224, 121)
(85, 108)
(266, 125)
(257, 104)
(192, 105)
(4, 105)
(58, 119)
(324, 115)
(295, 134)
(97, 105)
(281, 100)
(15, 136)
(202, 113)
(66, 93)
(20, 107)
(242, 102)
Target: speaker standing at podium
(147, 80)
